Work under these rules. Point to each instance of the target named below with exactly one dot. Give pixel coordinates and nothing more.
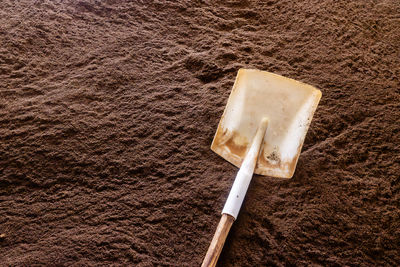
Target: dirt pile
(108, 110)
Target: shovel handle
(236, 196)
(217, 243)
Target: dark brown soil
(108, 110)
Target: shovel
(261, 131)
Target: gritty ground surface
(108, 110)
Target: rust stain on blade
(266, 164)
(272, 161)
(237, 149)
(227, 139)
(226, 145)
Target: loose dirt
(108, 110)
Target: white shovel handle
(243, 177)
(235, 198)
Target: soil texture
(108, 110)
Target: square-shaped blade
(288, 105)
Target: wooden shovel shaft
(218, 241)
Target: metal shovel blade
(288, 105)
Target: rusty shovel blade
(288, 105)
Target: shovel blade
(288, 105)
